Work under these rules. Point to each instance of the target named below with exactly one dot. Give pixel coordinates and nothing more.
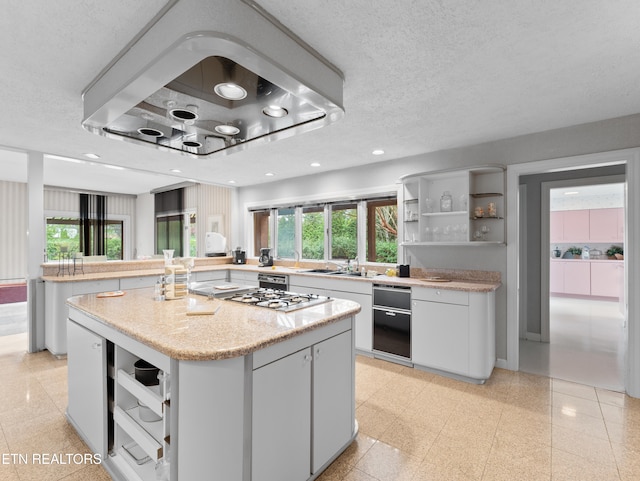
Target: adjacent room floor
(13, 318)
(414, 426)
(587, 344)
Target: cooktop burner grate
(278, 300)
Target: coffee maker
(239, 256)
(265, 259)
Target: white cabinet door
(87, 378)
(281, 417)
(440, 336)
(364, 318)
(244, 278)
(332, 397)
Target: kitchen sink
(332, 272)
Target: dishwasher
(392, 322)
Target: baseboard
(501, 363)
(532, 336)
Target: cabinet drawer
(440, 295)
(137, 282)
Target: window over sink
(362, 228)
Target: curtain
(93, 224)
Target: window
(313, 232)
(334, 231)
(286, 244)
(261, 232)
(344, 231)
(64, 232)
(382, 231)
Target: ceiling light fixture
(315, 164)
(269, 174)
(91, 156)
(192, 143)
(227, 129)
(572, 192)
(114, 167)
(378, 152)
(232, 182)
(216, 66)
(275, 111)
(150, 132)
(230, 91)
(176, 171)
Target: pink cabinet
(556, 277)
(606, 278)
(556, 226)
(577, 278)
(586, 278)
(606, 225)
(575, 225)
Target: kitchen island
(245, 393)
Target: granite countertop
(457, 280)
(235, 330)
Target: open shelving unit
(477, 209)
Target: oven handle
(389, 311)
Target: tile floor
(587, 344)
(414, 426)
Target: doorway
(583, 329)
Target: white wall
(600, 136)
(13, 231)
(144, 226)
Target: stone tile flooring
(414, 426)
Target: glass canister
(446, 202)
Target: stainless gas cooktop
(277, 300)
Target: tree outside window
(344, 231)
(382, 231)
(286, 233)
(313, 232)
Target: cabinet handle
(96, 345)
(390, 313)
(308, 358)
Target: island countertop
(234, 330)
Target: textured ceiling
(420, 76)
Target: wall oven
(392, 321)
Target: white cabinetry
(454, 332)
(87, 384)
(218, 275)
(282, 419)
(302, 410)
(244, 278)
(476, 213)
(56, 310)
(352, 290)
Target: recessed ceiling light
(315, 164)
(190, 112)
(91, 156)
(192, 143)
(114, 167)
(66, 159)
(176, 171)
(230, 91)
(227, 129)
(378, 152)
(150, 132)
(232, 182)
(269, 174)
(572, 192)
(275, 111)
